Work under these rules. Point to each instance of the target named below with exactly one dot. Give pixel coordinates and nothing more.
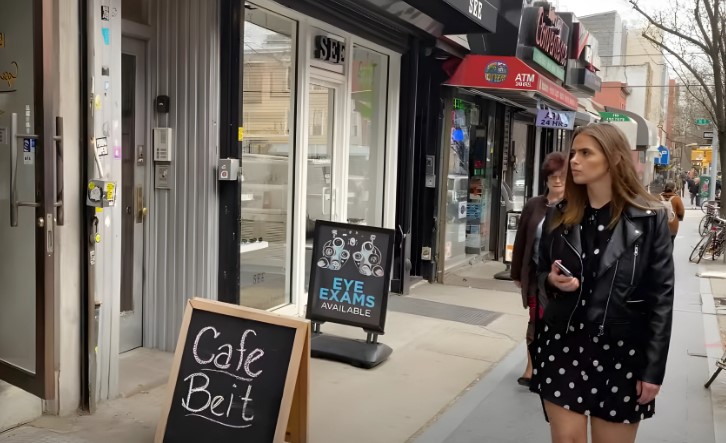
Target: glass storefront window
(18, 270)
(457, 183)
(367, 137)
(267, 158)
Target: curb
(712, 334)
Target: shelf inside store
(255, 246)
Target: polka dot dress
(580, 371)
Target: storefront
(320, 109)
(526, 116)
(134, 197)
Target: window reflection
(367, 137)
(267, 160)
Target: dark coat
(523, 267)
(632, 296)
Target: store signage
(480, 11)
(239, 374)
(350, 275)
(329, 50)
(508, 73)
(664, 158)
(547, 118)
(708, 134)
(703, 121)
(548, 36)
(550, 65)
(590, 80)
(543, 29)
(585, 47)
(614, 117)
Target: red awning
(500, 74)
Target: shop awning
(647, 131)
(511, 79)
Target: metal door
(31, 195)
(133, 157)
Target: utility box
(101, 193)
(228, 169)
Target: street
(498, 410)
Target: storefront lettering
(524, 80)
(329, 50)
(548, 39)
(10, 76)
(475, 8)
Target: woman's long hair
(626, 188)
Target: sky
(629, 15)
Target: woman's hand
(646, 391)
(562, 282)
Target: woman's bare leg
(528, 370)
(608, 432)
(566, 426)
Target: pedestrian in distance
(526, 246)
(607, 269)
(674, 208)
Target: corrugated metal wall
(182, 226)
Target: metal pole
(714, 166)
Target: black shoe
(524, 381)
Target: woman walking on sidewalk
(526, 246)
(602, 351)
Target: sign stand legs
(362, 354)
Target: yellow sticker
(97, 102)
(98, 238)
(91, 186)
(240, 134)
(110, 188)
(99, 210)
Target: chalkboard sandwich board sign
(350, 275)
(239, 375)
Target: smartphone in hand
(566, 272)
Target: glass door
(323, 168)
(267, 158)
(30, 150)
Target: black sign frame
(316, 273)
(292, 412)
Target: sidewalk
(444, 340)
(452, 376)
(498, 411)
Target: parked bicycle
(711, 209)
(713, 244)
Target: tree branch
(673, 32)
(696, 74)
(704, 33)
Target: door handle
(141, 211)
(58, 142)
(14, 202)
(326, 192)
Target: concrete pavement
(497, 410)
(452, 377)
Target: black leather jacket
(633, 293)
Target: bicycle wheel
(697, 251)
(709, 245)
(704, 226)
